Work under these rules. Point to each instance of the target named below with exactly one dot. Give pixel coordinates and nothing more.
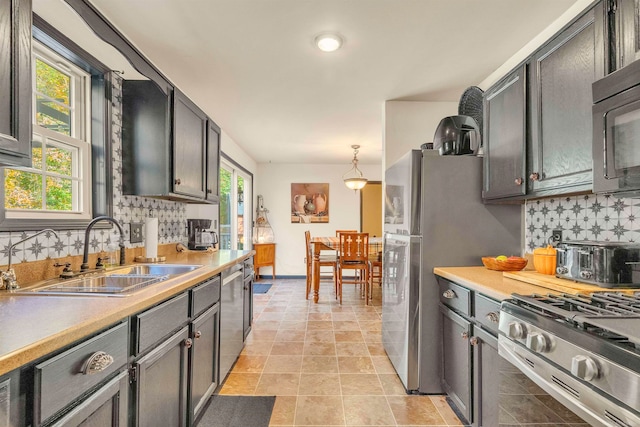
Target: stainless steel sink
(155, 269)
(118, 282)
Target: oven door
(616, 142)
(533, 390)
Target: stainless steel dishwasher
(231, 318)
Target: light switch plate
(135, 235)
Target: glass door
(235, 206)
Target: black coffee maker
(200, 239)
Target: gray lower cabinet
(161, 383)
(456, 360)
(107, 407)
(561, 75)
(486, 379)
(505, 137)
(204, 359)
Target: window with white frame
(58, 184)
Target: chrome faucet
(9, 277)
(85, 257)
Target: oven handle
(510, 351)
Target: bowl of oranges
(504, 263)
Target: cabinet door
(189, 147)
(456, 360)
(213, 161)
(204, 358)
(561, 101)
(505, 137)
(106, 407)
(486, 379)
(162, 383)
(628, 31)
(15, 83)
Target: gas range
(582, 349)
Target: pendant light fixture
(354, 178)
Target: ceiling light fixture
(354, 178)
(328, 42)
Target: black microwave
(616, 132)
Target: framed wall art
(310, 203)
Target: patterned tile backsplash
(588, 217)
(172, 217)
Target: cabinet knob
(177, 181)
(197, 335)
(97, 362)
(449, 294)
(188, 343)
(474, 341)
(209, 191)
(493, 317)
(464, 335)
(519, 181)
(534, 176)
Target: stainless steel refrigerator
(434, 217)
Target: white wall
(408, 125)
(275, 186)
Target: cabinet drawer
(62, 378)
(487, 312)
(455, 296)
(158, 322)
(205, 295)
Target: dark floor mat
(238, 411)
(261, 288)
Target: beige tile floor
(326, 364)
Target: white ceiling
(252, 66)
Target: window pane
(59, 194)
(53, 116)
(60, 160)
(240, 219)
(23, 190)
(36, 152)
(52, 82)
(225, 209)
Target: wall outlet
(556, 236)
(135, 234)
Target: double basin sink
(117, 282)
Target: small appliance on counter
(457, 135)
(201, 239)
(606, 264)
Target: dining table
(332, 243)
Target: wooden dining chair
(328, 260)
(353, 254)
(345, 231)
(375, 275)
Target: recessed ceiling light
(328, 42)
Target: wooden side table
(265, 257)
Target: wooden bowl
(513, 264)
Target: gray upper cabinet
(189, 147)
(505, 137)
(164, 142)
(624, 24)
(562, 73)
(213, 162)
(15, 83)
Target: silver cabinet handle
(97, 362)
(492, 316)
(449, 294)
(178, 181)
(519, 181)
(464, 335)
(197, 335)
(188, 343)
(474, 341)
(534, 176)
